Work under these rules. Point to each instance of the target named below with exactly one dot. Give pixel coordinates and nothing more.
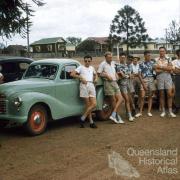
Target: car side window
(66, 71)
(23, 66)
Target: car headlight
(17, 102)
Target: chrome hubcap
(37, 119)
(105, 107)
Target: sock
(83, 118)
(129, 114)
(91, 121)
(170, 110)
(163, 109)
(113, 114)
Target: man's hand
(121, 74)
(105, 75)
(95, 81)
(109, 78)
(83, 80)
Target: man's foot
(82, 124)
(93, 125)
(171, 114)
(131, 119)
(133, 112)
(149, 114)
(119, 119)
(163, 114)
(113, 119)
(138, 115)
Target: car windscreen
(46, 71)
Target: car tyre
(37, 120)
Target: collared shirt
(125, 69)
(135, 68)
(176, 63)
(146, 69)
(163, 61)
(108, 68)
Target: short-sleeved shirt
(135, 68)
(164, 80)
(86, 72)
(163, 62)
(176, 63)
(108, 68)
(125, 69)
(146, 69)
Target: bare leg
(170, 95)
(149, 104)
(90, 105)
(161, 100)
(119, 100)
(127, 103)
(141, 104)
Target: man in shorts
(124, 73)
(164, 69)
(87, 76)
(135, 71)
(176, 63)
(107, 71)
(146, 77)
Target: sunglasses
(87, 61)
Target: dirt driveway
(147, 149)
(67, 152)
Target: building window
(66, 71)
(61, 47)
(49, 48)
(37, 48)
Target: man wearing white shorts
(164, 69)
(87, 76)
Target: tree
(87, 45)
(173, 33)
(74, 40)
(128, 28)
(13, 16)
(2, 46)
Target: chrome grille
(2, 104)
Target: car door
(67, 92)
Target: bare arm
(74, 74)
(159, 68)
(105, 75)
(176, 70)
(141, 80)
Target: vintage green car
(46, 92)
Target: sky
(92, 18)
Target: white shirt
(86, 72)
(135, 68)
(108, 68)
(176, 63)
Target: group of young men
(121, 79)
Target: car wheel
(37, 120)
(106, 110)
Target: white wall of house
(150, 46)
(70, 48)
